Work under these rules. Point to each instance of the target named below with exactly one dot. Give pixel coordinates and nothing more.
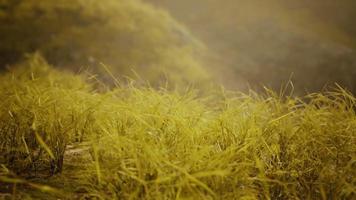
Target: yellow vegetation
(142, 143)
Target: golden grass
(156, 144)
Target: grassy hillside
(130, 37)
(62, 139)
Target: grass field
(66, 136)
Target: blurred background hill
(130, 37)
(267, 42)
(241, 43)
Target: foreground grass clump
(163, 146)
(145, 143)
(41, 112)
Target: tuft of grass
(149, 143)
(42, 110)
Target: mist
(256, 43)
